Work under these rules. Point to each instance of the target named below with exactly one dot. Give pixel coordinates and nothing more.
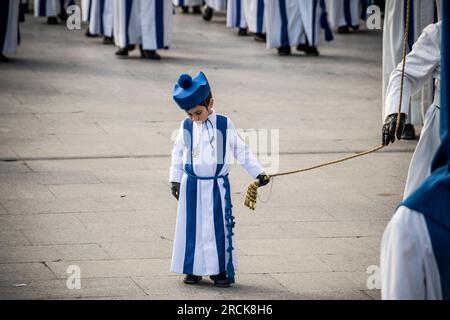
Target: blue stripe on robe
(159, 23)
(42, 8)
(347, 13)
(238, 14)
(260, 17)
(284, 24)
(128, 6)
(314, 19)
(4, 12)
(102, 9)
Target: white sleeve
(242, 152)
(420, 64)
(176, 168)
(402, 261)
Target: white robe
(143, 23)
(393, 33)
(187, 3)
(254, 15)
(408, 267)
(101, 17)
(9, 39)
(206, 257)
(217, 5)
(289, 22)
(47, 8)
(236, 14)
(85, 9)
(338, 14)
(422, 64)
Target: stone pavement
(85, 144)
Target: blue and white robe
(50, 8)
(201, 245)
(254, 15)
(101, 17)
(9, 26)
(217, 5)
(292, 22)
(86, 10)
(146, 22)
(344, 13)
(187, 3)
(236, 14)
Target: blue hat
(190, 92)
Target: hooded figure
(415, 250)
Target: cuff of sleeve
(175, 175)
(256, 171)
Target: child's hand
(263, 179)
(175, 188)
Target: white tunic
(236, 14)
(101, 17)
(393, 33)
(206, 253)
(146, 22)
(408, 267)
(421, 64)
(85, 9)
(9, 40)
(47, 8)
(217, 5)
(254, 15)
(340, 16)
(290, 22)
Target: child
(203, 244)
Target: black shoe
(343, 30)
(196, 10)
(284, 51)
(122, 52)
(63, 15)
(312, 51)
(3, 58)
(184, 9)
(90, 35)
(302, 47)
(150, 54)
(408, 132)
(221, 280)
(108, 40)
(191, 279)
(355, 28)
(260, 37)
(242, 32)
(207, 13)
(52, 20)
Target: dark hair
(206, 102)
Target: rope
(252, 191)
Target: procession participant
(147, 23)
(211, 6)
(9, 28)
(422, 13)
(254, 15)
(185, 4)
(52, 9)
(101, 20)
(415, 255)
(296, 23)
(422, 64)
(201, 159)
(344, 14)
(236, 16)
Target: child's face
(198, 114)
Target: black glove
(263, 179)
(175, 188)
(388, 132)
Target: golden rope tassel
(252, 195)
